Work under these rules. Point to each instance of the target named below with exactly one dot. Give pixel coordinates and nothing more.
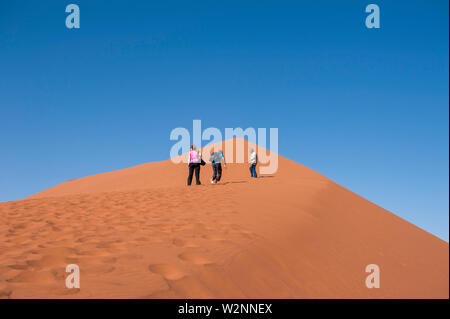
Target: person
(253, 160)
(194, 165)
(216, 159)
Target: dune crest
(141, 232)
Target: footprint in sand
(195, 258)
(97, 260)
(18, 267)
(169, 272)
(247, 234)
(59, 273)
(182, 243)
(98, 269)
(64, 291)
(114, 247)
(93, 252)
(213, 237)
(5, 291)
(50, 261)
(33, 276)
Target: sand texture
(141, 232)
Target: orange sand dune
(141, 233)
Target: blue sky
(367, 108)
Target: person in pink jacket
(194, 165)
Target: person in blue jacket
(216, 160)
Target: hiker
(216, 159)
(253, 160)
(194, 165)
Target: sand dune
(141, 233)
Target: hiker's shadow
(242, 182)
(232, 182)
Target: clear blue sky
(366, 108)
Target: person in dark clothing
(217, 172)
(194, 165)
(194, 168)
(216, 161)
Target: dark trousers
(253, 170)
(217, 172)
(194, 167)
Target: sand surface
(142, 233)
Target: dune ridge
(141, 232)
